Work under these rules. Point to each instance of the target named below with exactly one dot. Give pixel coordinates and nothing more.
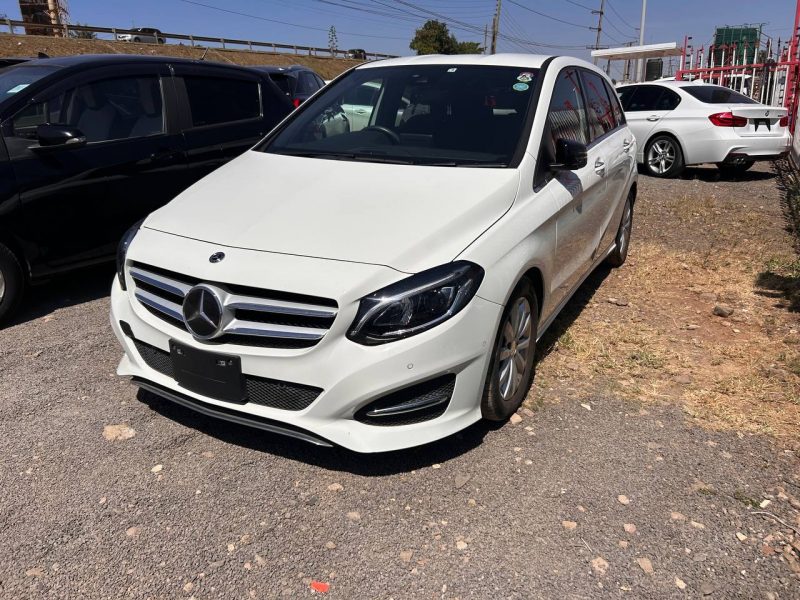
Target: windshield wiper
(312, 154)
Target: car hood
(403, 216)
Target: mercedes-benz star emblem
(216, 257)
(202, 312)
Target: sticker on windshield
(17, 88)
(452, 70)
(525, 77)
(521, 87)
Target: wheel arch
(534, 275)
(667, 133)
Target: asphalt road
(189, 507)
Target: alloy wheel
(513, 351)
(661, 156)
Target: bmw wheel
(511, 369)
(11, 282)
(663, 157)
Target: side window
(601, 115)
(215, 100)
(105, 110)
(566, 117)
(364, 95)
(626, 95)
(646, 98)
(669, 100)
(307, 84)
(615, 106)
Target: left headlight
(122, 251)
(415, 304)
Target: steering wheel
(385, 131)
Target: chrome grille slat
(253, 319)
(278, 306)
(168, 285)
(171, 309)
(237, 327)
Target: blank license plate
(218, 376)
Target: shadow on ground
(784, 288)
(64, 291)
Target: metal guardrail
(196, 40)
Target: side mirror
(570, 155)
(52, 137)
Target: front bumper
(349, 375)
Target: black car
(91, 144)
(299, 83)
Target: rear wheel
(735, 168)
(620, 254)
(663, 157)
(12, 282)
(511, 369)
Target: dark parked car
(357, 53)
(299, 83)
(92, 144)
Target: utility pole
(495, 27)
(599, 28)
(640, 66)
(485, 38)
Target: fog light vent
(414, 404)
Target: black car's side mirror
(52, 137)
(570, 155)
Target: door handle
(600, 167)
(360, 111)
(653, 118)
(627, 145)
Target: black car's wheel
(623, 240)
(663, 157)
(511, 368)
(12, 282)
(735, 168)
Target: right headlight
(122, 251)
(415, 304)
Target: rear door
(76, 202)
(224, 112)
(645, 106)
(577, 193)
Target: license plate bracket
(217, 376)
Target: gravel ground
(588, 496)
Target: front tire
(12, 283)
(618, 257)
(511, 368)
(663, 157)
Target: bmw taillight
(727, 119)
(784, 122)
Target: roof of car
(665, 82)
(530, 61)
(277, 69)
(116, 59)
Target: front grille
(265, 392)
(265, 318)
(414, 404)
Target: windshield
(716, 94)
(441, 115)
(15, 79)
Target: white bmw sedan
(679, 123)
(383, 286)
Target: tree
(434, 38)
(333, 40)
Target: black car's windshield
(716, 94)
(15, 79)
(446, 115)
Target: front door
(77, 201)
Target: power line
(541, 14)
(614, 10)
(260, 18)
(579, 4)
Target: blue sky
(388, 25)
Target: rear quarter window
(716, 94)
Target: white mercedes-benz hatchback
(381, 284)
(680, 123)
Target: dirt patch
(703, 314)
(30, 45)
